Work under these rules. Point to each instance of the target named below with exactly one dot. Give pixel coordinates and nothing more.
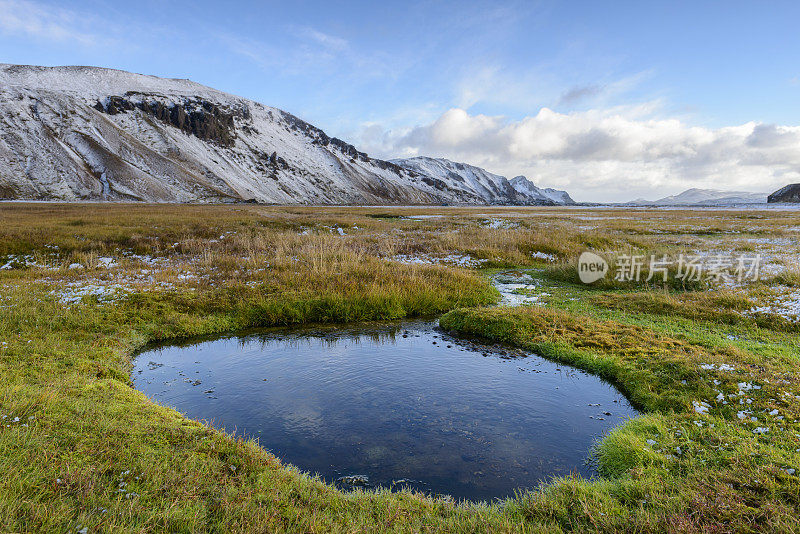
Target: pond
(392, 405)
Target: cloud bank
(606, 155)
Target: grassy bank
(79, 446)
(719, 446)
(82, 287)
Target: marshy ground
(712, 363)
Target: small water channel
(392, 405)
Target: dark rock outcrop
(323, 139)
(790, 193)
(205, 120)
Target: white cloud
(19, 17)
(327, 41)
(607, 155)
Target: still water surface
(392, 405)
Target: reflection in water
(392, 405)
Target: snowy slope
(87, 133)
(523, 185)
(471, 184)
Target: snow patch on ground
(786, 305)
(461, 260)
(74, 292)
(517, 289)
(544, 256)
(500, 224)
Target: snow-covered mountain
(474, 185)
(72, 133)
(705, 197)
(88, 133)
(523, 185)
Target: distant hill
(789, 193)
(705, 197)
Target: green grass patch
(695, 459)
(80, 448)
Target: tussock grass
(195, 270)
(789, 277)
(717, 307)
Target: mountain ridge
(699, 197)
(485, 186)
(88, 133)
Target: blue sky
(407, 78)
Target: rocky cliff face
(789, 193)
(86, 133)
